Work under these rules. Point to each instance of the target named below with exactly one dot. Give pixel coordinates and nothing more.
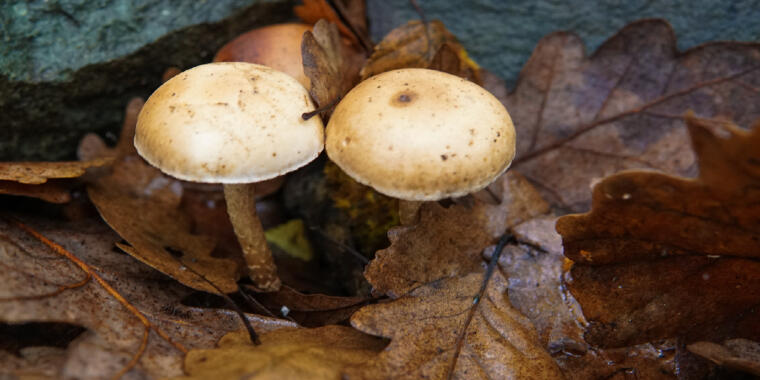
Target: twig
(505, 239)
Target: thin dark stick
(505, 239)
(309, 115)
(231, 303)
(421, 13)
(340, 10)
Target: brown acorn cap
(419, 134)
(277, 46)
(229, 122)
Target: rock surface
(68, 67)
(500, 35)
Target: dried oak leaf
(740, 354)
(447, 242)
(312, 310)
(660, 256)
(33, 272)
(50, 191)
(581, 117)
(31, 179)
(414, 45)
(296, 353)
(535, 267)
(35, 173)
(331, 66)
(143, 206)
(354, 12)
(432, 336)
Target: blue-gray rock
(68, 67)
(500, 34)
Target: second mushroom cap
(420, 134)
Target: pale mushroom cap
(420, 134)
(229, 122)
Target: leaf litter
(584, 117)
(43, 286)
(660, 256)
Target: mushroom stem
(241, 208)
(408, 211)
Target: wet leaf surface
(449, 241)
(331, 66)
(739, 354)
(312, 310)
(425, 327)
(581, 118)
(284, 354)
(35, 173)
(661, 256)
(415, 45)
(31, 270)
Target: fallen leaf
(31, 179)
(581, 118)
(143, 206)
(661, 256)
(35, 173)
(739, 354)
(535, 267)
(448, 242)
(283, 354)
(311, 310)
(332, 67)
(415, 45)
(425, 327)
(50, 191)
(32, 277)
(311, 11)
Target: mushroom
(420, 135)
(277, 46)
(232, 123)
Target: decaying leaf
(33, 277)
(330, 65)
(425, 327)
(449, 241)
(583, 118)
(535, 267)
(415, 45)
(31, 179)
(311, 310)
(50, 191)
(297, 353)
(311, 11)
(660, 256)
(142, 205)
(740, 354)
(353, 11)
(35, 173)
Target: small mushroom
(277, 46)
(235, 124)
(420, 135)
